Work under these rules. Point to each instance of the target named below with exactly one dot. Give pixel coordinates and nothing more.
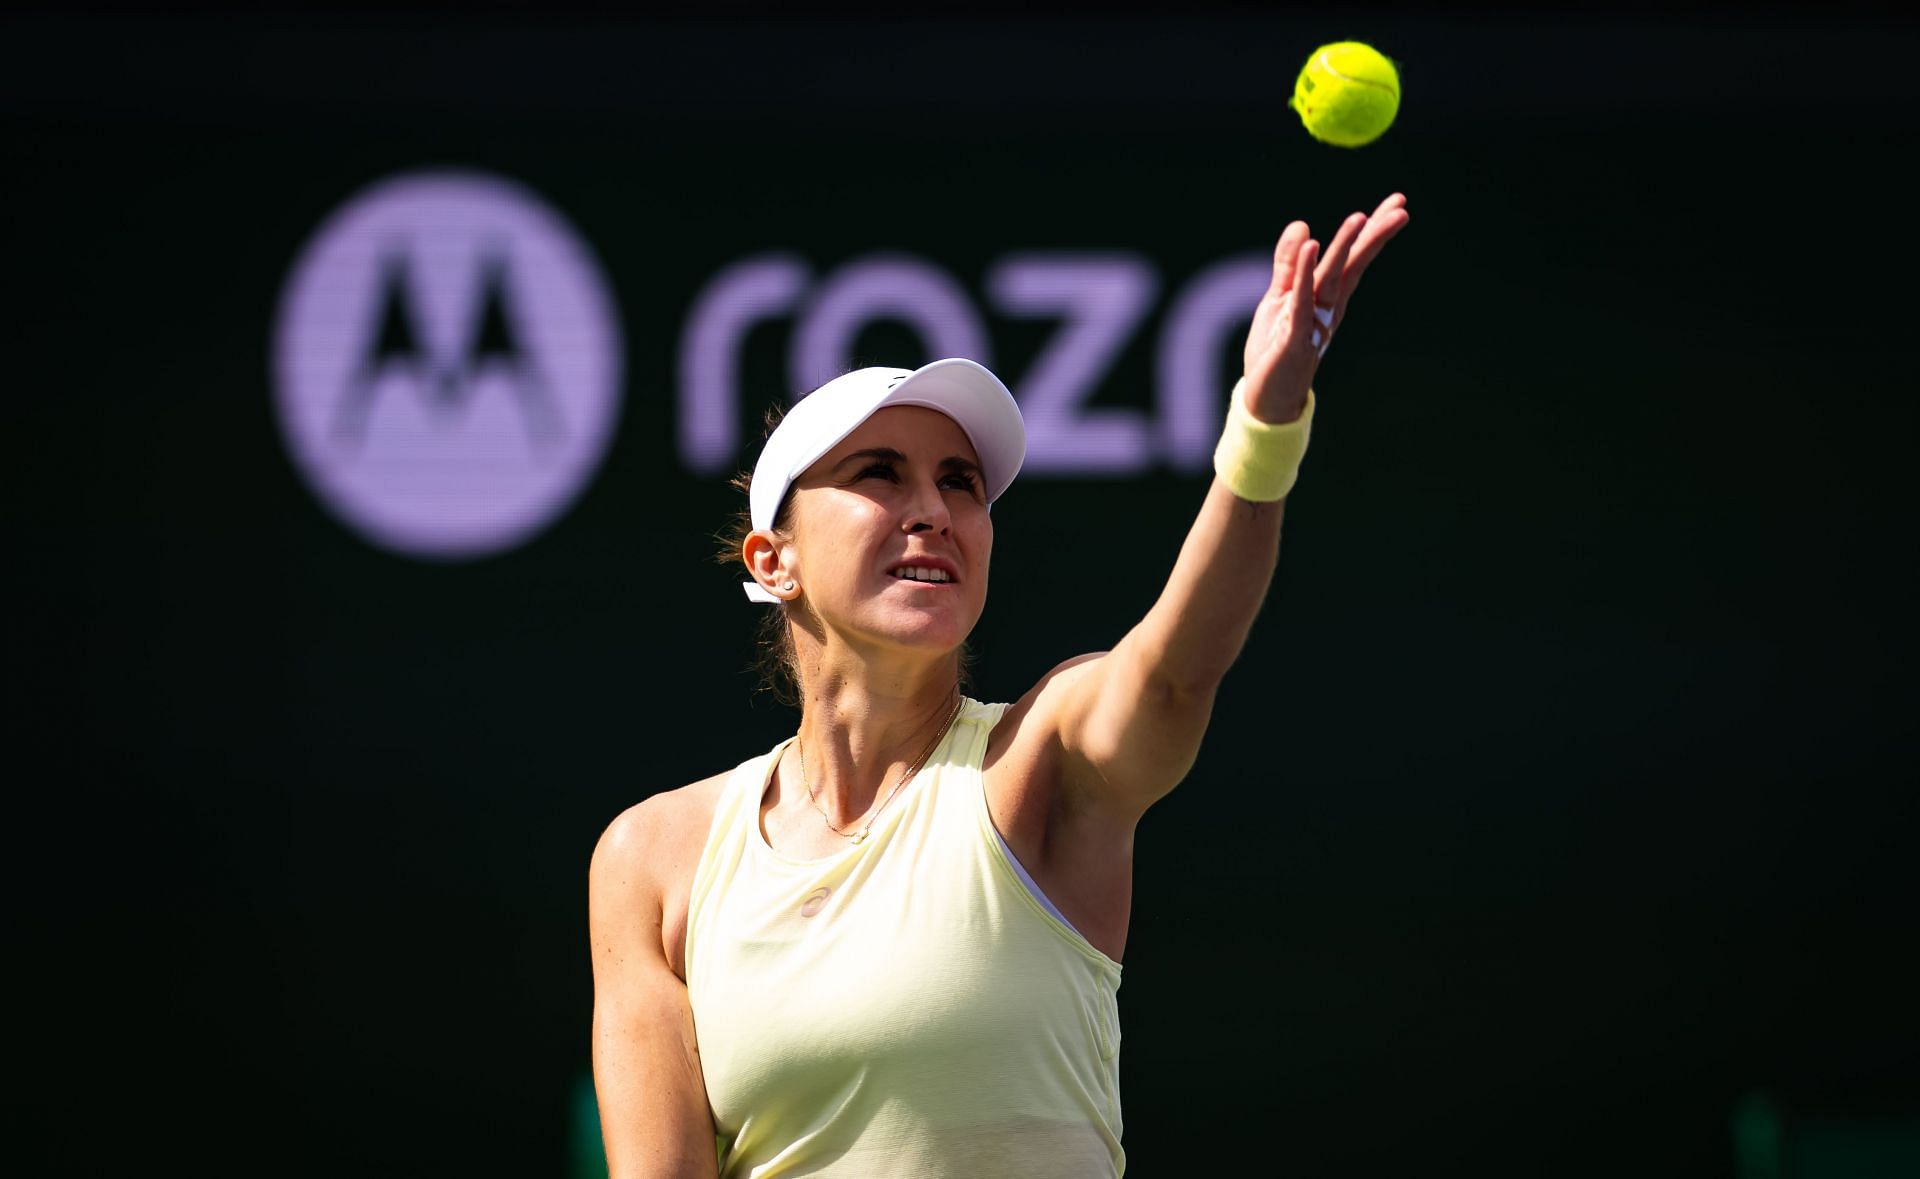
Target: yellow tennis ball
(1347, 94)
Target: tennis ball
(1347, 94)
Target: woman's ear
(766, 559)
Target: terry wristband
(1258, 460)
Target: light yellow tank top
(903, 1007)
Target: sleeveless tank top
(903, 1007)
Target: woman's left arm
(1129, 723)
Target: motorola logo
(447, 364)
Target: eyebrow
(952, 462)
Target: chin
(932, 629)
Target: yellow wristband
(1258, 460)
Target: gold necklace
(859, 837)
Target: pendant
(860, 836)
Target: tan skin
(1070, 768)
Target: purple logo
(447, 364)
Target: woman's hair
(776, 661)
(778, 666)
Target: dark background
(1553, 817)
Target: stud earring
(789, 585)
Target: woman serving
(891, 945)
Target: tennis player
(891, 945)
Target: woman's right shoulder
(642, 873)
(656, 836)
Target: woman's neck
(861, 733)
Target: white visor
(964, 391)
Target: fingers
(1307, 299)
(1387, 220)
(1329, 275)
(1283, 257)
(1301, 325)
(1329, 281)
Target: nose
(927, 511)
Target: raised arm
(1130, 722)
(646, 1064)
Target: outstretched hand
(1305, 305)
